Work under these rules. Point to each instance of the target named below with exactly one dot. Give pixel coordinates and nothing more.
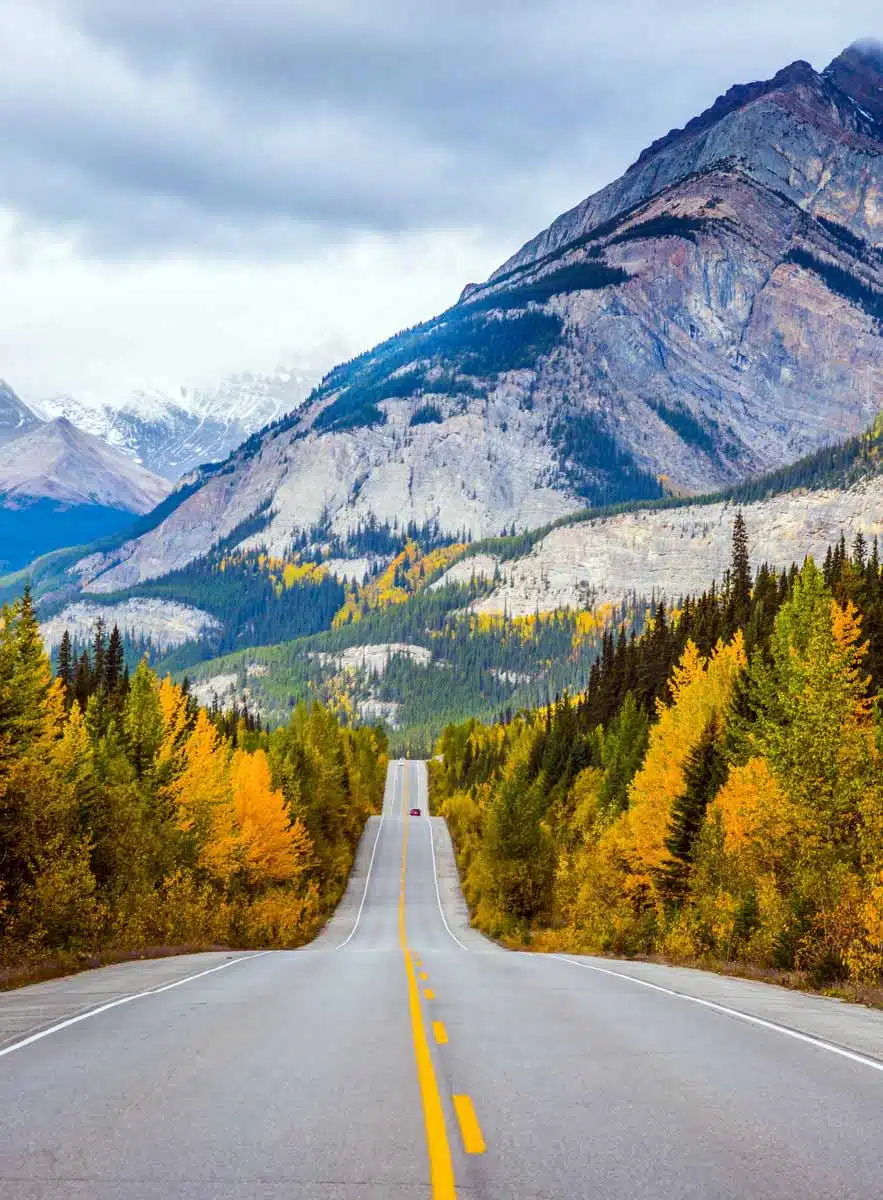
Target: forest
(132, 818)
(714, 795)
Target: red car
(415, 812)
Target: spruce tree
(99, 653)
(82, 686)
(113, 662)
(740, 574)
(705, 772)
(65, 663)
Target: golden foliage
(698, 689)
(269, 845)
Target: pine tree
(705, 772)
(113, 663)
(740, 575)
(99, 653)
(65, 664)
(82, 685)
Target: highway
(402, 1055)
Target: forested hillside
(130, 817)
(714, 794)
(417, 665)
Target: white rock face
(222, 689)
(477, 566)
(484, 474)
(673, 552)
(164, 622)
(386, 712)
(375, 658)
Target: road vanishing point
(403, 1055)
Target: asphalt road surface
(402, 1055)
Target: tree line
(714, 794)
(130, 817)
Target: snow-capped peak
(174, 430)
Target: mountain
(712, 315)
(174, 434)
(60, 486)
(15, 416)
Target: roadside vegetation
(132, 818)
(714, 795)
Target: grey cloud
(249, 127)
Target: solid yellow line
(441, 1168)
(441, 1034)
(473, 1142)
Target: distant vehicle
(415, 812)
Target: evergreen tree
(740, 574)
(705, 772)
(99, 653)
(82, 686)
(113, 664)
(624, 747)
(65, 663)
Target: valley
(399, 765)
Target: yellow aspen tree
(203, 799)
(173, 710)
(271, 848)
(754, 814)
(698, 689)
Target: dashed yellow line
(441, 1168)
(429, 993)
(441, 1034)
(423, 974)
(473, 1141)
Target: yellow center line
(441, 1168)
(423, 974)
(441, 1034)
(473, 1141)
(429, 993)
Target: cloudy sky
(191, 188)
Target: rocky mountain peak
(713, 314)
(738, 96)
(858, 72)
(15, 416)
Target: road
(402, 1055)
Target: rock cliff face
(670, 552)
(713, 314)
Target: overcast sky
(191, 188)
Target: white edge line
(831, 1047)
(367, 881)
(102, 1008)
(435, 877)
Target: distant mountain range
(174, 434)
(713, 314)
(73, 470)
(60, 486)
